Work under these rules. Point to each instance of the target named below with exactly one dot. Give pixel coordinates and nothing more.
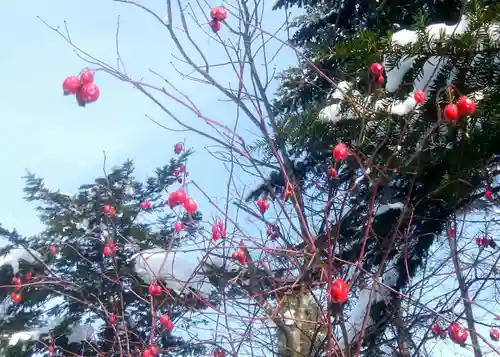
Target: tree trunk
(307, 333)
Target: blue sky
(50, 135)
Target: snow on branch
(15, 255)
(180, 269)
(394, 76)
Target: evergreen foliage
(79, 285)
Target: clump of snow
(81, 333)
(387, 207)
(15, 255)
(33, 334)
(178, 269)
(78, 333)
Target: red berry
(452, 233)
(71, 85)
(180, 196)
(108, 250)
(112, 318)
(178, 148)
(89, 92)
(419, 96)
(377, 68)
(87, 77)
(182, 167)
(154, 289)
(190, 205)
(176, 198)
(52, 349)
(436, 330)
(16, 280)
(178, 226)
(340, 152)
(16, 297)
(494, 334)
(457, 333)
(53, 249)
(177, 172)
(489, 195)
(219, 353)
(215, 233)
(263, 206)
(166, 323)
(218, 13)
(451, 112)
(179, 180)
(240, 256)
(332, 173)
(215, 25)
(108, 210)
(466, 105)
(339, 291)
(147, 353)
(145, 205)
(29, 276)
(380, 80)
(154, 350)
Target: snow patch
(178, 269)
(15, 255)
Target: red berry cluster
(377, 70)
(485, 242)
(16, 296)
(218, 230)
(154, 289)
(457, 333)
(83, 87)
(217, 14)
(179, 197)
(109, 249)
(464, 106)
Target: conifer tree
(73, 290)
